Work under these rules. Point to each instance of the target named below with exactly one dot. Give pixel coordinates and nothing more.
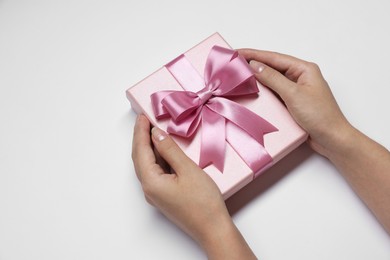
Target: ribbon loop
(205, 102)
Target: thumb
(171, 152)
(272, 78)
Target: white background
(67, 184)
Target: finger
(278, 61)
(171, 152)
(142, 152)
(160, 161)
(272, 79)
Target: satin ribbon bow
(207, 102)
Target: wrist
(340, 140)
(216, 231)
(224, 241)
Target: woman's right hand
(306, 94)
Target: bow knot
(226, 75)
(204, 95)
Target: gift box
(222, 118)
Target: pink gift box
(236, 173)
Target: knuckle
(148, 200)
(313, 66)
(149, 189)
(293, 92)
(271, 74)
(134, 155)
(169, 148)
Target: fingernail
(257, 66)
(158, 134)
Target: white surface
(67, 186)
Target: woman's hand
(364, 163)
(188, 196)
(306, 94)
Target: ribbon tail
(248, 121)
(213, 144)
(250, 151)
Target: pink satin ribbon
(206, 102)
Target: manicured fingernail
(158, 134)
(256, 66)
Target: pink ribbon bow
(226, 75)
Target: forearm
(224, 241)
(365, 165)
